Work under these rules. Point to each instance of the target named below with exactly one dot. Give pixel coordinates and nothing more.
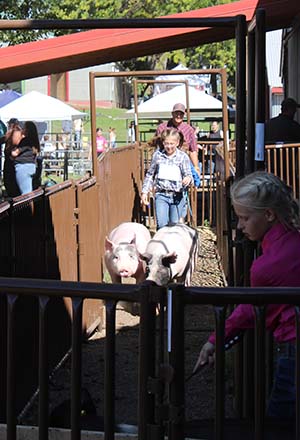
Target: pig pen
(199, 323)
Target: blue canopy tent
(7, 96)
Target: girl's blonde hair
(261, 190)
(172, 132)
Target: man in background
(283, 128)
(215, 131)
(279, 130)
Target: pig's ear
(145, 257)
(169, 259)
(133, 241)
(108, 245)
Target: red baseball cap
(179, 108)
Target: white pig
(123, 247)
(172, 254)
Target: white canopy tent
(201, 82)
(160, 106)
(35, 106)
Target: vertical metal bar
(220, 372)
(176, 422)
(248, 375)
(259, 371)
(146, 400)
(187, 98)
(250, 103)
(260, 81)
(276, 164)
(294, 170)
(136, 125)
(238, 379)
(93, 123)
(11, 419)
(230, 265)
(161, 358)
(281, 162)
(109, 370)
(12, 241)
(269, 362)
(287, 165)
(268, 152)
(77, 306)
(240, 113)
(43, 368)
(297, 375)
(225, 122)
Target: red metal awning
(101, 46)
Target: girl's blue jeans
(169, 208)
(24, 173)
(283, 395)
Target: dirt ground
(199, 323)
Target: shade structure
(35, 106)
(7, 96)
(160, 106)
(196, 80)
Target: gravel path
(199, 323)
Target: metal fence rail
(44, 292)
(220, 298)
(151, 424)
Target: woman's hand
(206, 356)
(15, 152)
(186, 180)
(144, 199)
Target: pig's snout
(124, 273)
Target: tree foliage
(216, 55)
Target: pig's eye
(115, 258)
(147, 270)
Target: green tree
(20, 10)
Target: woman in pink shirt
(267, 212)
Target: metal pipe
(77, 306)
(260, 83)
(176, 393)
(220, 372)
(109, 371)
(121, 23)
(146, 400)
(259, 373)
(43, 368)
(250, 103)
(240, 113)
(11, 368)
(143, 73)
(225, 123)
(93, 124)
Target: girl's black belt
(168, 192)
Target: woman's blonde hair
(261, 190)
